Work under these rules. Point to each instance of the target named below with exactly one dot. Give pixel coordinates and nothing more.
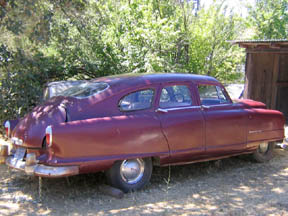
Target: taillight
(48, 133)
(7, 128)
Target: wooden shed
(266, 72)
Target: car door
(225, 123)
(182, 121)
(139, 129)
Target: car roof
(64, 82)
(146, 79)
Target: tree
(211, 52)
(48, 40)
(269, 19)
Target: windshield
(85, 90)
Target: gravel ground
(234, 186)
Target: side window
(175, 96)
(138, 100)
(212, 95)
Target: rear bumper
(42, 170)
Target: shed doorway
(282, 86)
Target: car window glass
(212, 95)
(85, 89)
(137, 100)
(175, 96)
(221, 93)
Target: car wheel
(264, 152)
(129, 175)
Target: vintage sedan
(124, 125)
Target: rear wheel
(131, 174)
(264, 152)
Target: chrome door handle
(161, 110)
(203, 107)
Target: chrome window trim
(189, 107)
(80, 98)
(178, 108)
(223, 104)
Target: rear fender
(106, 140)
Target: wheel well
(155, 161)
(44, 143)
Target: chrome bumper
(42, 170)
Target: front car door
(182, 121)
(225, 122)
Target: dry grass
(234, 186)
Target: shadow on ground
(233, 186)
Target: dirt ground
(234, 186)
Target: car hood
(31, 128)
(248, 103)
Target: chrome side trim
(203, 107)
(161, 110)
(219, 105)
(177, 108)
(255, 131)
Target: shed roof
(263, 45)
(260, 41)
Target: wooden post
(40, 189)
(3, 153)
(274, 88)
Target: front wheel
(130, 174)
(264, 152)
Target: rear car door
(182, 121)
(225, 123)
(139, 130)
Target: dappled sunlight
(278, 190)
(7, 208)
(236, 187)
(243, 189)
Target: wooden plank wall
(260, 77)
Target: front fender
(265, 125)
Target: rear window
(85, 89)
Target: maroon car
(125, 125)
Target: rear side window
(138, 100)
(175, 96)
(212, 95)
(85, 89)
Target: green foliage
(49, 40)
(210, 50)
(269, 19)
(22, 79)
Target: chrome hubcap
(263, 147)
(132, 171)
